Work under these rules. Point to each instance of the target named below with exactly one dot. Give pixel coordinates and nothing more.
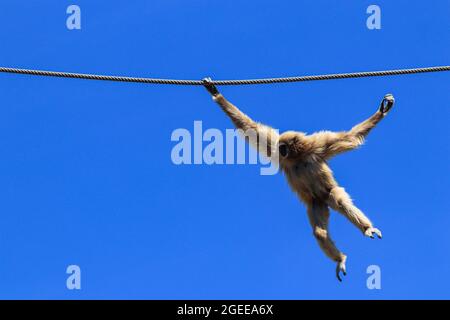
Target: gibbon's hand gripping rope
(223, 82)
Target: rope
(224, 82)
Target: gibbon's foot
(370, 231)
(212, 89)
(340, 268)
(387, 103)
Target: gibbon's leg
(340, 201)
(319, 214)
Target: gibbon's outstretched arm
(333, 143)
(263, 137)
(240, 119)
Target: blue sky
(86, 174)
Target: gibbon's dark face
(283, 150)
(290, 145)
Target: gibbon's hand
(212, 89)
(370, 231)
(387, 103)
(340, 268)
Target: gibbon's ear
(212, 89)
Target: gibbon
(303, 159)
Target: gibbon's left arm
(262, 137)
(333, 143)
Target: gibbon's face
(290, 146)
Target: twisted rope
(224, 82)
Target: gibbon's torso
(310, 177)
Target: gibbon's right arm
(265, 135)
(333, 143)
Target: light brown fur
(309, 175)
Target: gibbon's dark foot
(370, 231)
(212, 89)
(340, 268)
(387, 103)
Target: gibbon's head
(291, 145)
